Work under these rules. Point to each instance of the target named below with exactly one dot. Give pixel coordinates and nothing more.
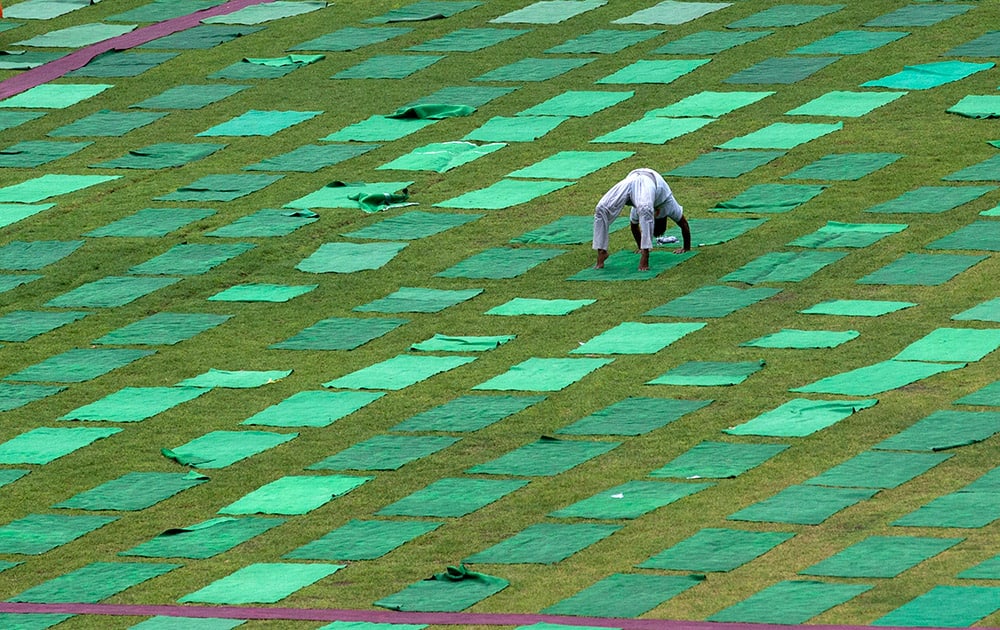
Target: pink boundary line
(79, 58)
(392, 616)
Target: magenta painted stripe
(390, 616)
(79, 58)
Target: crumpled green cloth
(373, 202)
(432, 111)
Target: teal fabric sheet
(544, 458)
(351, 38)
(36, 534)
(261, 582)
(190, 96)
(715, 549)
(624, 595)
(54, 95)
(603, 41)
(506, 193)
(929, 75)
(845, 104)
(218, 449)
(388, 67)
(844, 166)
(709, 42)
(534, 69)
(441, 157)
(633, 416)
(655, 71)
(25, 325)
(33, 255)
(878, 469)
(413, 225)
(544, 543)
(14, 118)
(770, 198)
(857, 308)
(837, 234)
(461, 343)
(77, 36)
(571, 164)
(464, 96)
(468, 40)
(9, 476)
(932, 199)
(622, 265)
(293, 495)
(220, 187)
(317, 408)
(340, 333)
(259, 292)
(876, 378)
(944, 429)
(418, 300)
(537, 306)
(783, 267)
(786, 15)
(338, 194)
(160, 10)
(654, 130)
(134, 404)
(960, 345)
(630, 500)
(205, 539)
(712, 301)
(718, 460)
(881, 556)
(256, 122)
(452, 497)
(110, 292)
(790, 602)
(350, 257)
(548, 12)
(984, 570)
(637, 338)
(452, 590)
(162, 329)
(42, 10)
(384, 452)
(849, 43)
(782, 136)
(780, 70)
(201, 37)
(310, 158)
(709, 104)
(255, 14)
(987, 396)
(93, 582)
(514, 128)
(25, 59)
(708, 373)
(266, 223)
(803, 504)
(800, 417)
(190, 259)
(919, 15)
(566, 230)
(151, 222)
(543, 374)
(362, 540)
(11, 213)
(398, 372)
(468, 413)
(121, 64)
(425, 10)
(945, 606)
(33, 153)
(500, 263)
(961, 509)
(802, 339)
(986, 45)
(79, 365)
(132, 491)
(728, 164)
(9, 282)
(671, 12)
(922, 269)
(986, 171)
(378, 128)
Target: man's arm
(682, 223)
(636, 234)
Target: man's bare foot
(681, 250)
(644, 260)
(602, 255)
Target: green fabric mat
(266, 223)
(351, 38)
(633, 416)
(220, 188)
(781, 70)
(712, 301)
(770, 198)
(783, 267)
(467, 413)
(162, 155)
(986, 171)
(845, 104)
(876, 378)
(603, 41)
(419, 300)
(13, 118)
(718, 460)
(986, 45)
(463, 343)
(162, 329)
(338, 194)
(32, 153)
(54, 95)
(945, 606)
(425, 10)
(441, 157)
(623, 265)
(25, 325)
(262, 292)
(388, 67)
(152, 222)
(724, 163)
(134, 404)
(630, 500)
(549, 12)
(236, 379)
(312, 409)
(37, 533)
(378, 128)
(804, 505)
(789, 602)
(132, 491)
(571, 164)
(362, 540)
(503, 194)
(33, 255)
(988, 569)
(988, 396)
(943, 430)
(658, 71)
(709, 42)
(670, 12)
(782, 136)
(93, 582)
(878, 469)
(205, 539)
(110, 292)
(543, 374)
(77, 36)
(538, 306)
(292, 495)
(79, 365)
(398, 372)
(107, 123)
(9, 476)
(42, 10)
(844, 166)
(25, 59)
(800, 417)
(190, 259)
(161, 10)
(623, 595)
(928, 75)
(453, 497)
(709, 104)
(472, 96)
(413, 225)
(708, 373)
(310, 158)
(255, 69)
(450, 591)
(918, 15)
(922, 269)
(120, 64)
(34, 621)
(500, 263)
(384, 452)
(715, 549)
(981, 235)
(16, 395)
(544, 543)
(654, 130)
(566, 230)
(544, 458)
(636, 338)
(468, 40)
(514, 128)
(962, 509)
(837, 234)
(881, 556)
(932, 199)
(189, 96)
(255, 14)
(187, 623)
(849, 43)
(958, 345)
(800, 339)
(201, 37)
(261, 583)
(786, 15)
(340, 333)
(534, 69)
(857, 308)
(218, 449)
